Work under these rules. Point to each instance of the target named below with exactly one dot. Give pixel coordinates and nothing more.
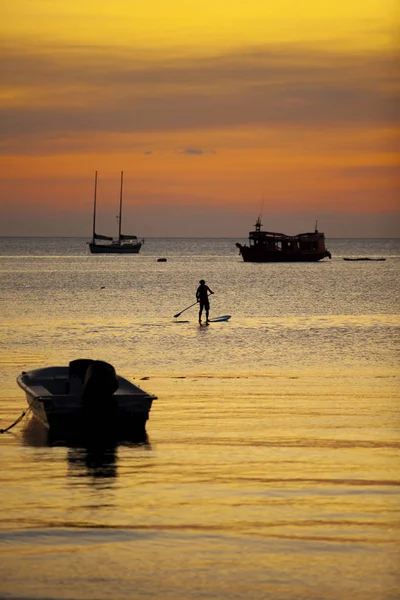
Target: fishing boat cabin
(267, 246)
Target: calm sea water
(271, 468)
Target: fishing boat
(125, 244)
(267, 246)
(85, 397)
(365, 258)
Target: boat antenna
(120, 207)
(316, 226)
(94, 206)
(258, 224)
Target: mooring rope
(15, 422)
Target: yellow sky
(203, 26)
(207, 103)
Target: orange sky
(212, 110)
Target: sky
(215, 111)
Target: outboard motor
(100, 383)
(77, 372)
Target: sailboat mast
(120, 208)
(94, 207)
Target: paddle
(179, 313)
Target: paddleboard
(219, 319)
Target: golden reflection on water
(276, 485)
(270, 467)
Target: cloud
(193, 151)
(78, 91)
(386, 172)
(189, 151)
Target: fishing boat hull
(56, 398)
(261, 255)
(115, 248)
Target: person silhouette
(202, 293)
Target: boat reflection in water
(93, 461)
(87, 457)
(99, 461)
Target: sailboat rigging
(125, 244)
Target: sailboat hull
(115, 248)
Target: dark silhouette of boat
(365, 258)
(86, 399)
(125, 244)
(267, 246)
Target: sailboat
(125, 244)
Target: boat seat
(39, 390)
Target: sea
(271, 463)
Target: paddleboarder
(202, 293)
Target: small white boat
(86, 397)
